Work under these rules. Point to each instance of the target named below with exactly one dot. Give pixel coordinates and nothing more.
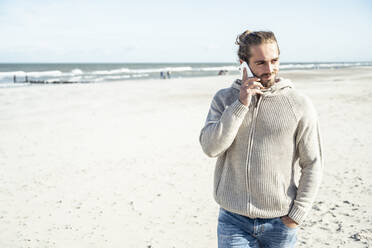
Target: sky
(181, 31)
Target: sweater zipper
(250, 145)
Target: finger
(258, 91)
(245, 75)
(250, 80)
(253, 90)
(254, 85)
(253, 79)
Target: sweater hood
(274, 89)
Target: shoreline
(285, 72)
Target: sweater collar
(273, 90)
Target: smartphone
(249, 72)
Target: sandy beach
(119, 164)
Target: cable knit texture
(259, 148)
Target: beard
(268, 82)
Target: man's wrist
(242, 103)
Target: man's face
(264, 62)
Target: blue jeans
(237, 231)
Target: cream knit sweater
(258, 148)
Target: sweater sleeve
(221, 126)
(309, 150)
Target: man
(261, 129)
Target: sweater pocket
(221, 180)
(283, 195)
(220, 171)
(289, 192)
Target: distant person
(162, 75)
(14, 79)
(222, 72)
(169, 74)
(260, 129)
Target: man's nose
(269, 68)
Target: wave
(140, 75)
(11, 74)
(108, 72)
(31, 74)
(38, 74)
(323, 65)
(44, 74)
(297, 66)
(125, 76)
(116, 77)
(139, 71)
(228, 68)
(76, 71)
(171, 69)
(75, 79)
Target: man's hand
(288, 221)
(249, 87)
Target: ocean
(105, 72)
